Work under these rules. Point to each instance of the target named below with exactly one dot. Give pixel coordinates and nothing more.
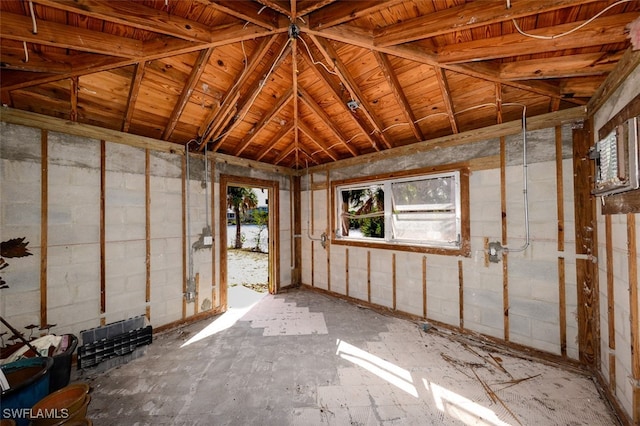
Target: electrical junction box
(207, 240)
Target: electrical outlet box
(207, 240)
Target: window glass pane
(425, 194)
(424, 211)
(362, 212)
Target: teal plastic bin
(29, 382)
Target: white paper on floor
(280, 318)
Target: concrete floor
(302, 358)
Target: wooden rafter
(281, 7)
(196, 72)
(136, 15)
(313, 138)
(246, 11)
(446, 97)
(214, 121)
(159, 51)
(19, 28)
(134, 90)
(585, 64)
(363, 39)
(345, 11)
(251, 135)
(605, 31)
(396, 88)
(319, 112)
(464, 17)
(323, 75)
(246, 101)
(273, 142)
(305, 7)
(349, 82)
(499, 114)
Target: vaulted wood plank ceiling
(302, 83)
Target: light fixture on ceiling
(353, 104)
(294, 31)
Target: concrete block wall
(20, 180)
(533, 276)
(73, 258)
(617, 364)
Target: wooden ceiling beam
(19, 28)
(274, 141)
(134, 90)
(277, 108)
(208, 127)
(628, 63)
(196, 72)
(247, 11)
(303, 149)
(247, 99)
(323, 75)
(294, 79)
(446, 98)
(586, 64)
(349, 82)
(158, 49)
(345, 11)
(284, 154)
(307, 6)
(320, 113)
(499, 112)
(357, 37)
(604, 31)
(312, 136)
(13, 58)
(401, 98)
(281, 7)
(464, 17)
(136, 15)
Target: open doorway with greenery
(248, 244)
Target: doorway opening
(249, 234)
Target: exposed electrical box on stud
(495, 252)
(353, 105)
(323, 240)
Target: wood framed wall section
(44, 223)
(586, 246)
(562, 286)
(103, 242)
(628, 204)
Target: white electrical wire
(33, 17)
(313, 60)
(515, 24)
(26, 52)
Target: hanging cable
(540, 37)
(262, 83)
(314, 61)
(26, 51)
(33, 18)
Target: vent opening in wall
(617, 161)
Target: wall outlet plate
(207, 241)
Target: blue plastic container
(29, 381)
